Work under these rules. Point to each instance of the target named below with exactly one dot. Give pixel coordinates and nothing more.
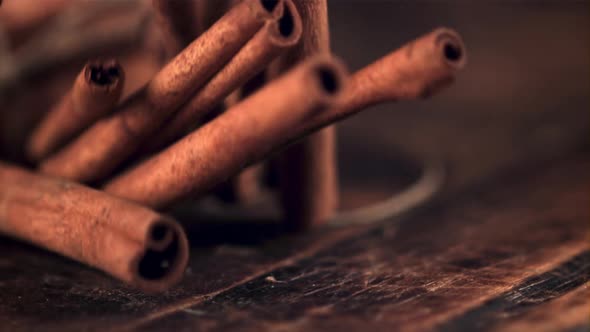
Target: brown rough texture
(307, 171)
(130, 242)
(569, 312)
(245, 187)
(95, 93)
(100, 149)
(239, 137)
(266, 45)
(417, 70)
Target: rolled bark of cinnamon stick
(244, 134)
(244, 188)
(95, 93)
(273, 39)
(308, 173)
(130, 242)
(104, 146)
(416, 70)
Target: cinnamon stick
(416, 70)
(274, 38)
(248, 132)
(244, 188)
(95, 93)
(130, 242)
(308, 170)
(104, 146)
(242, 135)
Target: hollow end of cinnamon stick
(287, 29)
(209, 155)
(449, 55)
(96, 91)
(164, 259)
(110, 142)
(418, 69)
(451, 48)
(104, 75)
(330, 77)
(274, 38)
(145, 249)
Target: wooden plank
(570, 312)
(450, 265)
(534, 298)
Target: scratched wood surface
(504, 247)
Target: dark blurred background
(524, 93)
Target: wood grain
(460, 267)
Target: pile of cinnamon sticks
(246, 87)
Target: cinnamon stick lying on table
(274, 38)
(95, 93)
(128, 241)
(242, 135)
(105, 145)
(308, 173)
